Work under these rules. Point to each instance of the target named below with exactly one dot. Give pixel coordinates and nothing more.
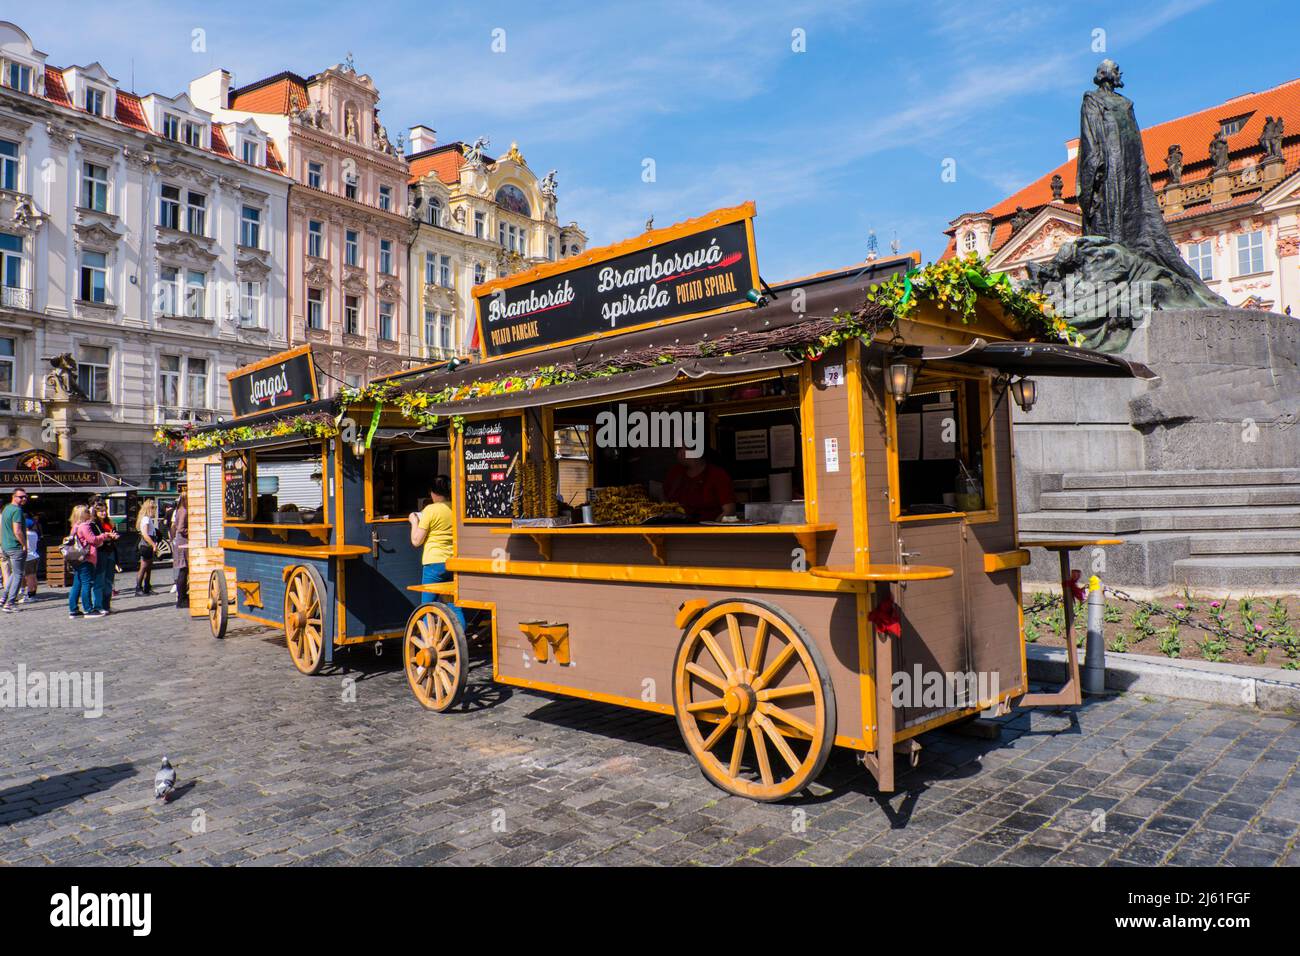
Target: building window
(968, 241)
(94, 187)
(430, 268)
(94, 277)
(437, 331)
(350, 246)
(169, 291)
(430, 328)
(480, 273)
(550, 248)
(386, 321)
(196, 383)
(193, 134)
(8, 165)
(196, 293)
(94, 101)
(444, 333)
(316, 238)
(169, 385)
(250, 304)
(92, 373)
(1200, 256)
(250, 227)
(350, 186)
(435, 211)
(315, 309)
(386, 256)
(1250, 253)
(169, 208)
(252, 152)
(386, 198)
(171, 126)
(18, 77)
(444, 272)
(315, 173)
(11, 263)
(351, 315)
(501, 234)
(523, 242)
(1233, 125)
(8, 370)
(196, 213)
(182, 385)
(480, 224)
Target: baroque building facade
(348, 232)
(1228, 182)
(475, 218)
(142, 254)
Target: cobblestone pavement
(277, 768)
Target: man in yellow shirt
(432, 530)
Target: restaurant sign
(273, 384)
(700, 267)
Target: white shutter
(296, 483)
(212, 502)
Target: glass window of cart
(275, 485)
(400, 474)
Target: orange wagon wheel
(218, 603)
(436, 656)
(304, 619)
(753, 699)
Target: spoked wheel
(304, 618)
(753, 699)
(436, 656)
(218, 606)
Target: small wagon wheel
(304, 619)
(218, 603)
(436, 656)
(753, 699)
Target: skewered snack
(628, 505)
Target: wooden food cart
(299, 514)
(869, 446)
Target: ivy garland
(311, 425)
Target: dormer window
(18, 77)
(1229, 126)
(94, 101)
(968, 242)
(435, 211)
(252, 152)
(193, 133)
(171, 126)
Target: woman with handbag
(105, 558)
(147, 524)
(81, 552)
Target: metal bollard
(1094, 659)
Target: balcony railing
(176, 414)
(15, 405)
(15, 297)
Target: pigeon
(164, 781)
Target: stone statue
(62, 380)
(350, 125)
(1019, 219)
(1058, 187)
(1175, 163)
(1270, 140)
(1219, 152)
(1125, 241)
(650, 223)
(474, 152)
(548, 184)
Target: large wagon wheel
(304, 619)
(436, 656)
(218, 603)
(753, 699)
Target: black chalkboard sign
(234, 492)
(699, 268)
(493, 454)
(279, 382)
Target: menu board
(492, 455)
(234, 479)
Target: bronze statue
(1270, 140)
(1219, 152)
(1175, 163)
(1058, 187)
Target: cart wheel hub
(423, 658)
(739, 700)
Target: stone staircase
(1227, 531)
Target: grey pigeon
(164, 781)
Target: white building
(142, 239)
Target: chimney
(211, 91)
(1072, 148)
(422, 138)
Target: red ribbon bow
(1078, 592)
(885, 618)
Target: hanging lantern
(1025, 392)
(901, 377)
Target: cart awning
(1034, 358)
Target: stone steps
(1166, 519)
(1240, 572)
(1186, 497)
(1180, 479)
(1262, 542)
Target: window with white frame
(11, 262)
(93, 100)
(169, 207)
(196, 213)
(196, 383)
(480, 273)
(182, 384)
(1250, 252)
(430, 327)
(351, 315)
(192, 133)
(94, 187)
(435, 211)
(18, 76)
(315, 309)
(1200, 256)
(501, 234)
(252, 152)
(196, 293)
(8, 165)
(480, 224)
(968, 241)
(430, 268)
(94, 277)
(169, 385)
(171, 126)
(250, 304)
(169, 291)
(351, 247)
(386, 256)
(386, 198)
(316, 238)
(92, 372)
(444, 271)
(350, 186)
(386, 321)
(444, 333)
(550, 248)
(8, 369)
(315, 175)
(250, 227)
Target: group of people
(91, 554)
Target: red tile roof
(1193, 134)
(283, 93)
(445, 161)
(55, 91)
(130, 112)
(219, 144)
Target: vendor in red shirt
(702, 489)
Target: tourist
(181, 548)
(89, 539)
(13, 541)
(147, 524)
(432, 530)
(33, 558)
(106, 564)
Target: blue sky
(849, 135)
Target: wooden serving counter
(805, 534)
